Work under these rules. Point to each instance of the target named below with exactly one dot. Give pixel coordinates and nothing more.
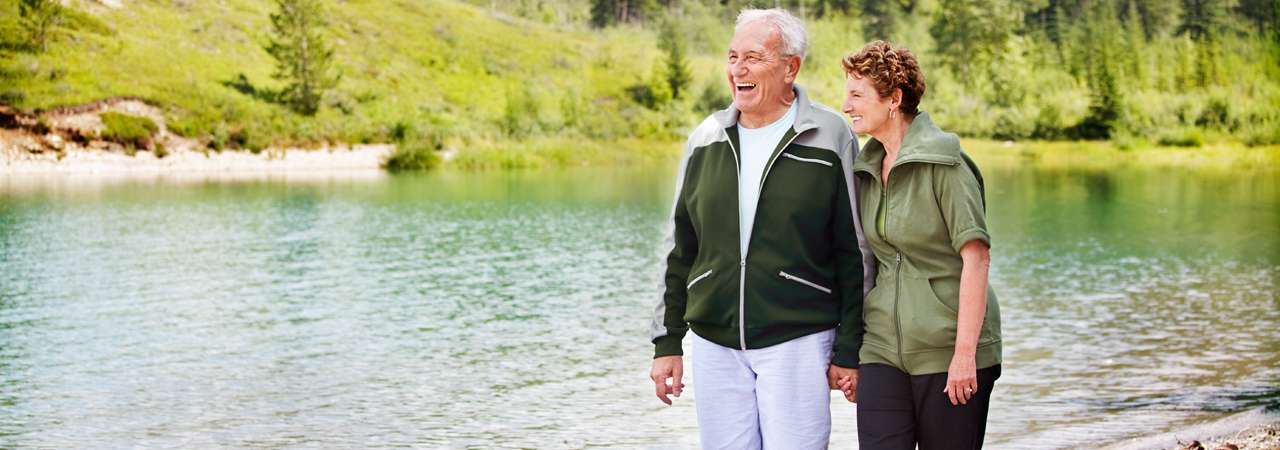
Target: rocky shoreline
(1250, 430)
(65, 141)
(1258, 437)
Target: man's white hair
(795, 41)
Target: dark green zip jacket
(803, 269)
(934, 206)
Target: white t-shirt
(757, 146)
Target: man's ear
(793, 68)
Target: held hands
(962, 379)
(664, 368)
(845, 380)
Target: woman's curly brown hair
(889, 68)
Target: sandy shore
(85, 161)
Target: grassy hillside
(517, 84)
(426, 69)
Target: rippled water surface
(502, 310)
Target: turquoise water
(508, 310)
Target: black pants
(896, 410)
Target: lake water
(507, 310)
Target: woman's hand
(845, 380)
(962, 376)
(962, 379)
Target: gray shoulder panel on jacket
(708, 132)
(832, 132)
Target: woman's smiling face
(867, 110)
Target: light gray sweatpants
(772, 398)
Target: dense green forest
(546, 74)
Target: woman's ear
(896, 101)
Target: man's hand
(667, 367)
(845, 380)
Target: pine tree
(879, 19)
(603, 13)
(1203, 21)
(671, 41)
(1106, 100)
(972, 33)
(1264, 15)
(1137, 40)
(304, 59)
(38, 17)
(1157, 17)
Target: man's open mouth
(744, 87)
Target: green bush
(522, 115)
(1267, 133)
(418, 156)
(713, 97)
(133, 132)
(42, 126)
(246, 138)
(1184, 137)
(218, 138)
(12, 97)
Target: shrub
(1185, 137)
(130, 131)
(400, 131)
(218, 138)
(1267, 133)
(712, 98)
(418, 156)
(42, 126)
(245, 138)
(12, 97)
(1217, 113)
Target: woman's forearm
(973, 297)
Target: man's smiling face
(758, 72)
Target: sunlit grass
(1102, 154)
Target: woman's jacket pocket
(928, 323)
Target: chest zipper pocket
(808, 160)
(804, 281)
(697, 279)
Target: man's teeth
(856, 118)
(746, 85)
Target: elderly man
(767, 257)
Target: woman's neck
(891, 134)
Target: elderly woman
(931, 353)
